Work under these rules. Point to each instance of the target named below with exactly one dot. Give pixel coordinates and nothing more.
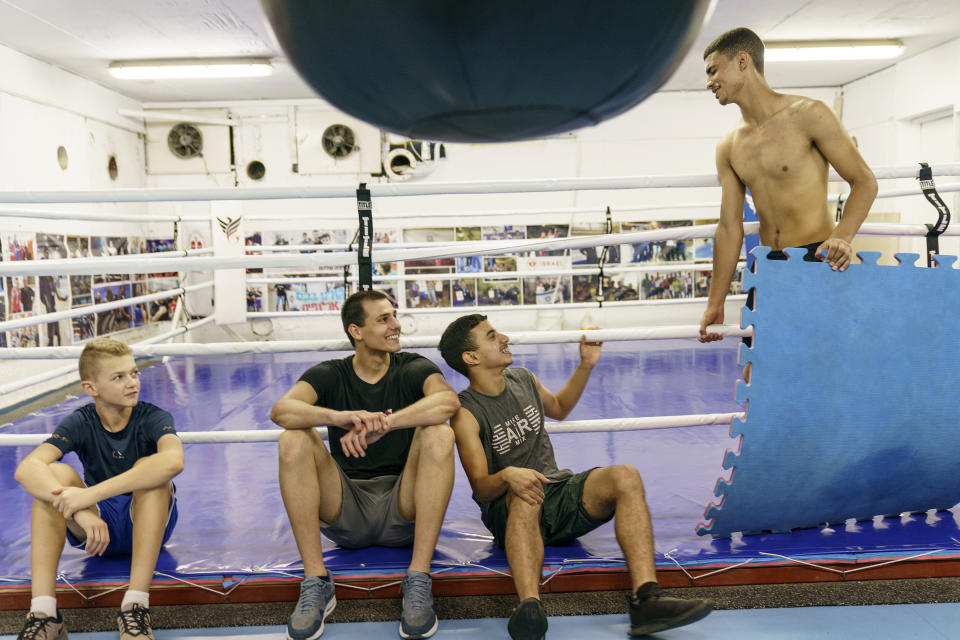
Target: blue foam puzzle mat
(851, 407)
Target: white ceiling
(84, 36)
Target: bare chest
(771, 152)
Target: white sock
(132, 597)
(46, 606)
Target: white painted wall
(905, 113)
(42, 108)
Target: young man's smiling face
(492, 346)
(724, 78)
(381, 329)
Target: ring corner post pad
(226, 220)
(364, 238)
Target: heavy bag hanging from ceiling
(498, 70)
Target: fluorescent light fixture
(813, 51)
(190, 69)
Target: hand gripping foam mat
(851, 410)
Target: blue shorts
(115, 512)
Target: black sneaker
(528, 621)
(43, 628)
(651, 612)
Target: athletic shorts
(780, 255)
(115, 512)
(562, 519)
(369, 514)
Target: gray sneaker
(419, 618)
(317, 600)
(43, 628)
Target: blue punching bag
(489, 71)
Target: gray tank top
(511, 426)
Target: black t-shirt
(339, 388)
(104, 454)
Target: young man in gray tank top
(525, 500)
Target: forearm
(726, 255)
(490, 487)
(570, 394)
(149, 473)
(295, 414)
(435, 408)
(856, 208)
(37, 479)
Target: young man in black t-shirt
(124, 504)
(390, 461)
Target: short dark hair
(352, 311)
(456, 339)
(736, 40)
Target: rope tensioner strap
(934, 231)
(602, 262)
(364, 238)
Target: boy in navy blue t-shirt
(124, 504)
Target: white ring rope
(573, 426)
(584, 270)
(107, 260)
(103, 306)
(594, 304)
(342, 344)
(317, 261)
(341, 259)
(413, 189)
(95, 216)
(71, 370)
(619, 212)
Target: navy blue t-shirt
(339, 388)
(104, 454)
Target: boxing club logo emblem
(229, 227)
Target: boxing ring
(657, 400)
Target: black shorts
(562, 519)
(780, 255)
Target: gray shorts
(369, 514)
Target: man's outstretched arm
(726, 242)
(558, 406)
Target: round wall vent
(185, 141)
(338, 141)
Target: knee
(295, 444)
(520, 509)
(66, 475)
(437, 441)
(627, 480)
(156, 493)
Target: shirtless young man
(781, 151)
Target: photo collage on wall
(486, 280)
(492, 280)
(325, 291)
(27, 296)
